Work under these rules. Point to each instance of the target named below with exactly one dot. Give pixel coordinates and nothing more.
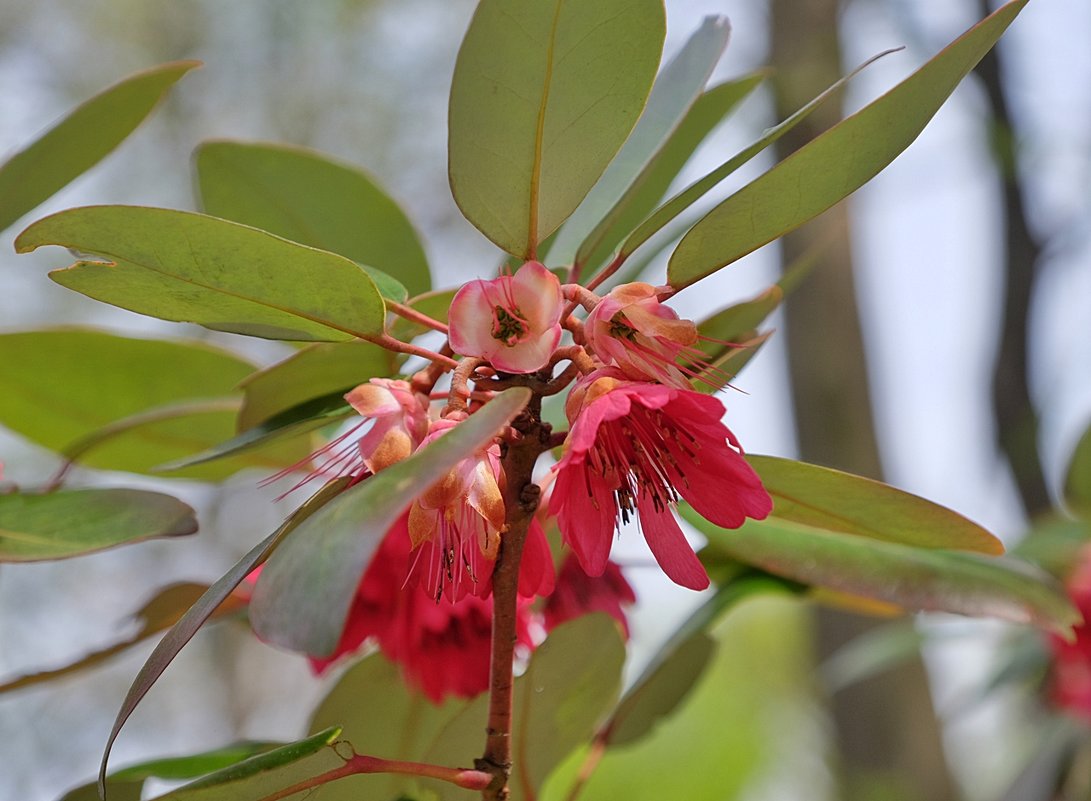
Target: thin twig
(390, 343)
(414, 316)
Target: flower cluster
(641, 440)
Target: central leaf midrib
(539, 136)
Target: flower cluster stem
(520, 452)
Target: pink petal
(471, 319)
(537, 294)
(670, 548)
(587, 523)
(527, 356)
(536, 575)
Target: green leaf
(161, 612)
(82, 139)
(188, 267)
(436, 305)
(1077, 485)
(1055, 543)
(849, 504)
(543, 95)
(303, 596)
(832, 166)
(268, 773)
(57, 525)
(916, 579)
(312, 199)
(670, 210)
(132, 778)
(676, 88)
(730, 338)
(205, 607)
(119, 403)
(313, 372)
(374, 690)
(572, 681)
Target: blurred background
(942, 343)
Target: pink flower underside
(532, 296)
(708, 473)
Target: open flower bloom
(578, 594)
(401, 421)
(1070, 674)
(513, 321)
(442, 649)
(631, 329)
(636, 448)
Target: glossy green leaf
(310, 198)
(916, 579)
(131, 779)
(82, 139)
(57, 525)
(313, 372)
(642, 196)
(1077, 485)
(570, 684)
(205, 607)
(374, 690)
(842, 502)
(161, 612)
(304, 593)
(188, 267)
(832, 166)
(120, 403)
(266, 774)
(676, 88)
(436, 305)
(544, 94)
(678, 204)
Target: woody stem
(521, 501)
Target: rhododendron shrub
(420, 424)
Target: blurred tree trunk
(889, 741)
(1016, 419)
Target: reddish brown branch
(414, 316)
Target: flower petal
(670, 548)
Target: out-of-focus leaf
(159, 613)
(207, 605)
(313, 199)
(570, 684)
(57, 525)
(313, 372)
(82, 139)
(188, 267)
(676, 88)
(119, 403)
(543, 95)
(304, 593)
(130, 780)
(842, 502)
(436, 305)
(729, 338)
(647, 190)
(374, 690)
(871, 654)
(266, 774)
(916, 579)
(1077, 485)
(1055, 543)
(835, 164)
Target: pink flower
(1070, 675)
(513, 321)
(631, 329)
(578, 594)
(636, 448)
(457, 524)
(401, 421)
(442, 648)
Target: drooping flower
(1070, 673)
(635, 448)
(457, 525)
(513, 321)
(578, 594)
(442, 648)
(631, 329)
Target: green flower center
(508, 327)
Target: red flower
(442, 648)
(578, 594)
(636, 448)
(1070, 677)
